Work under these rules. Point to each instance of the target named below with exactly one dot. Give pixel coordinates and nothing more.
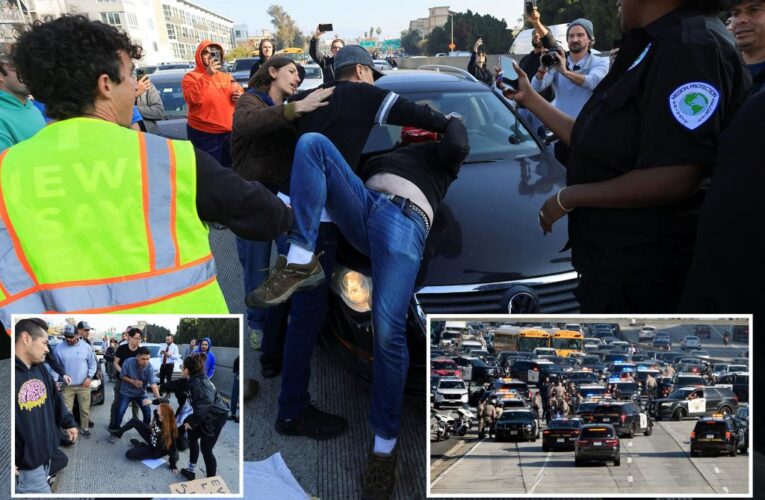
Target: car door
(697, 403)
(640, 416)
(713, 399)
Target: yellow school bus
(294, 53)
(567, 341)
(506, 338)
(531, 338)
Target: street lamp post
(451, 45)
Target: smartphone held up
(507, 74)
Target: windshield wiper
(490, 160)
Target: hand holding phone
(324, 28)
(507, 74)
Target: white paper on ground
(268, 479)
(153, 463)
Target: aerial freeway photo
(590, 406)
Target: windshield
(680, 393)
(564, 424)
(528, 344)
(451, 384)
(444, 365)
(153, 350)
(313, 72)
(172, 98)
(567, 344)
(244, 64)
(516, 415)
(493, 131)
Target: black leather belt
(412, 207)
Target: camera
(548, 59)
(530, 6)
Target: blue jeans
(394, 241)
(122, 408)
(254, 257)
(307, 311)
(217, 145)
(33, 481)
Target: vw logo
(523, 303)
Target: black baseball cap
(355, 54)
(83, 325)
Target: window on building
(171, 32)
(132, 20)
(112, 18)
(166, 10)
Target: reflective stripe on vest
(179, 263)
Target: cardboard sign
(208, 486)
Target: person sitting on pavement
(207, 417)
(79, 362)
(159, 437)
(39, 409)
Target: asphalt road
(656, 464)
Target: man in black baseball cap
(354, 55)
(83, 331)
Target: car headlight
(353, 287)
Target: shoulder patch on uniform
(693, 103)
(641, 56)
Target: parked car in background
(313, 77)
(690, 342)
(240, 70)
(155, 359)
(646, 333)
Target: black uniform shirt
(674, 86)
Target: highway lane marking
(629, 460)
(629, 479)
(717, 471)
(725, 489)
(455, 464)
(540, 474)
(687, 455)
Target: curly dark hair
(60, 61)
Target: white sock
(299, 255)
(384, 446)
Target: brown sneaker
(380, 476)
(283, 281)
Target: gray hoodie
(150, 105)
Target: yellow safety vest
(97, 218)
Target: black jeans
(147, 450)
(166, 372)
(207, 442)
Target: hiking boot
(380, 476)
(115, 432)
(85, 433)
(188, 474)
(313, 423)
(282, 282)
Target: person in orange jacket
(210, 95)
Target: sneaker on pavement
(188, 474)
(282, 282)
(256, 338)
(313, 423)
(380, 476)
(85, 433)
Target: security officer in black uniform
(640, 149)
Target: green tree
(224, 332)
(378, 30)
(410, 42)
(602, 14)
(287, 31)
(468, 26)
(155, 333)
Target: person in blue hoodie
(19, 118)
(205, 346)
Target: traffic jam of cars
(583, 396)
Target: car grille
(452, 396)
(555, 296)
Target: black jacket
(40, 411)
(482, 74)
(207, 404)
(431, 166)
(327, 63)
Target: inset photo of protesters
(122, 404)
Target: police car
(694, 402)
(628, 388)
(516, 424)
(561, 433)
(718, 434)
(592, 391)
(625, 416)
(512, 384)
(509, 398)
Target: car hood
(452, 391)
(487, 230)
